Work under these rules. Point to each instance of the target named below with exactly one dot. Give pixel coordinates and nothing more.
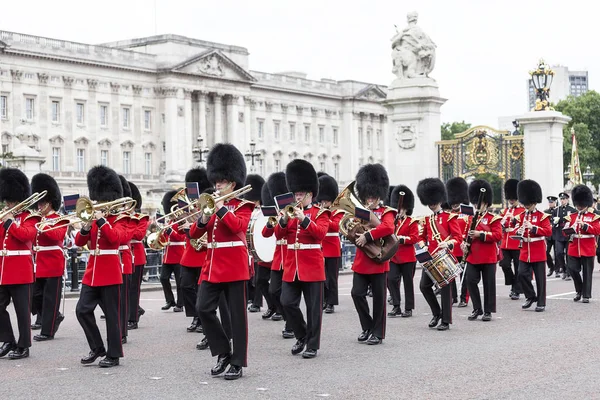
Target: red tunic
(304, 259)
(407, 231)
(363, 264)
(191, 257)
(280, 248)
(534, 243)
(104, 265)
(332, 246)
(509, 226)
(48, 249)
(484, 248)
(441, 221)
(227, 255)
(463, 222)
(125, 247)
(583, 243)
(16, 261)
(139, 233)
(173, 251)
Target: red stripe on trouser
(246, 318)
(57, 299)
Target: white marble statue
(413, 51)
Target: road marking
(559, 295)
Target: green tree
(585, 113)
(451, 129)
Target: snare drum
(262, 248)
(443, 268)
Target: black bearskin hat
(104, 184)
(320, 174)
(225, 162)
(529, 192)
(372, 181)
(265, 196)
(126, 188)
(14, 185)
(409, 198)
(328, 188)
(136, 195)
(582, 196)
(457, 190)
(388, 201)
(41, 182)
(300, 176)
(475, 188)
(510, 189)
(257, 182)
(431, 191)
(276, 184)
(166, 201)
(198, 175)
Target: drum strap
(437, 230)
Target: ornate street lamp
(199, 152)
(252, 154)
(588, 175)
(542, 80)
(567, 173)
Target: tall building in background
(565, 83)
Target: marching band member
(458, 193)
(227, 269)
(582, 246)
(16, 264)
(103, 275)
(49, 258)
(126, 260)
(534, 227)
(404, 262)
(372, 184)
(304, 270)
(332, 247)
(508, 246)
(483, 252)
(171, 257)
(140, 222)
(440, 231)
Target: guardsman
(172, 253)
(227, 268)
(304, 270)
(560, 241)
(16, 264)
(49, 258)
(508, 246)
(582, 245)
(126, 254)
(403, 264)
(458, 193)
(533, 228)
(103, 275)
(332, 247)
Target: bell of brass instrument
(154, 240)
(197, 244)
(55, 223)
(25, 204)
(85, 208)
(206, 203)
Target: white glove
(555, 220)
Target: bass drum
(262, 248)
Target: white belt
(123, 247)
(219, 245)
(583, 236)
(533, 239)
(333, 234)
(5, 253)
(111, 252)
(280, 242)
(46, 248)
(135, 241)
(176, 244)
(300, 246)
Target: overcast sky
(484, 49)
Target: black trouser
(124, 304)
(487, 272)
(549, 259)
(332, 270)
(109, 300)
(399, 272)
(583, 286)
(445, 311)
(360, 285)
(189, 289)
(134, 293)
(165, 281)
(275, 290)
(539, 270)
(291, 293)
(560, 253)
(218, 341)
(46, 300)
(21, 298)
(262, 276)
(463, 289)
(510, 276)
(253, 295)
(223, 312)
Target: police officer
(561, 241)
(550, 241)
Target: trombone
(25, 204)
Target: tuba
(380, 250)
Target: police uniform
(549, 240)
(457, 190)
(508, 246)
(560, 241)
(172, 254)
(140, 226)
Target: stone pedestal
(413, 128)
(543, 149)
(27, 160)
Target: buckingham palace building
(152, 107)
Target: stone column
(284, 134)
(137, 160)
(233, 136)
(115, 156)
(248, 105)
(543, 149)
(67, 103)
(174, 167)
(92, 123)
(202, 117)
(45, 109)
(385, 140)
(18, 105)
(218, 97)
(189, 139)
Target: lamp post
(588, 175)
(542, 80)
(252, 154)
(567, 174)
(199, 152)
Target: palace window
(292, 132)
(360, 138)
(3, 107)
(321, 134)
(336, 171)
(148, 163)
(56, 159)
(147, 120)
(261, 127)
(126, 117)
(307, 133)
(81, 160)
(29, 108)
(277, 165)
(103, 115)
(322, 166)
(368, 139)
(126, 162)
(335, 136)
(276, 130)
(104, 157)
(378, 139)
(80, 112)
(55, 111)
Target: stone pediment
(213, 63)
(371, 93)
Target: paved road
(519, 355)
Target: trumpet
(154, 240)
(25, 204)
(289, 209)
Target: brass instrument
(289, 209)
(54, 222)
(154, 241)
(198, 244)
(206, 204)
(25, 204)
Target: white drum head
(262, 248)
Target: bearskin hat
(409, 198)
(104, 184)
(321, 173)
(257, 182)
(166, 201)
(276, 184)
(14, 185)
(372, 181)
(475, 188)
(510, 189)
(457, 190)
(136, 195)
(126, 188)
(198, 175)
(431, 191)
(225, 162)
(300, 176)
(582, 196)
(41, 182)
(328, 188)
(529, 192)
(265, 196)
